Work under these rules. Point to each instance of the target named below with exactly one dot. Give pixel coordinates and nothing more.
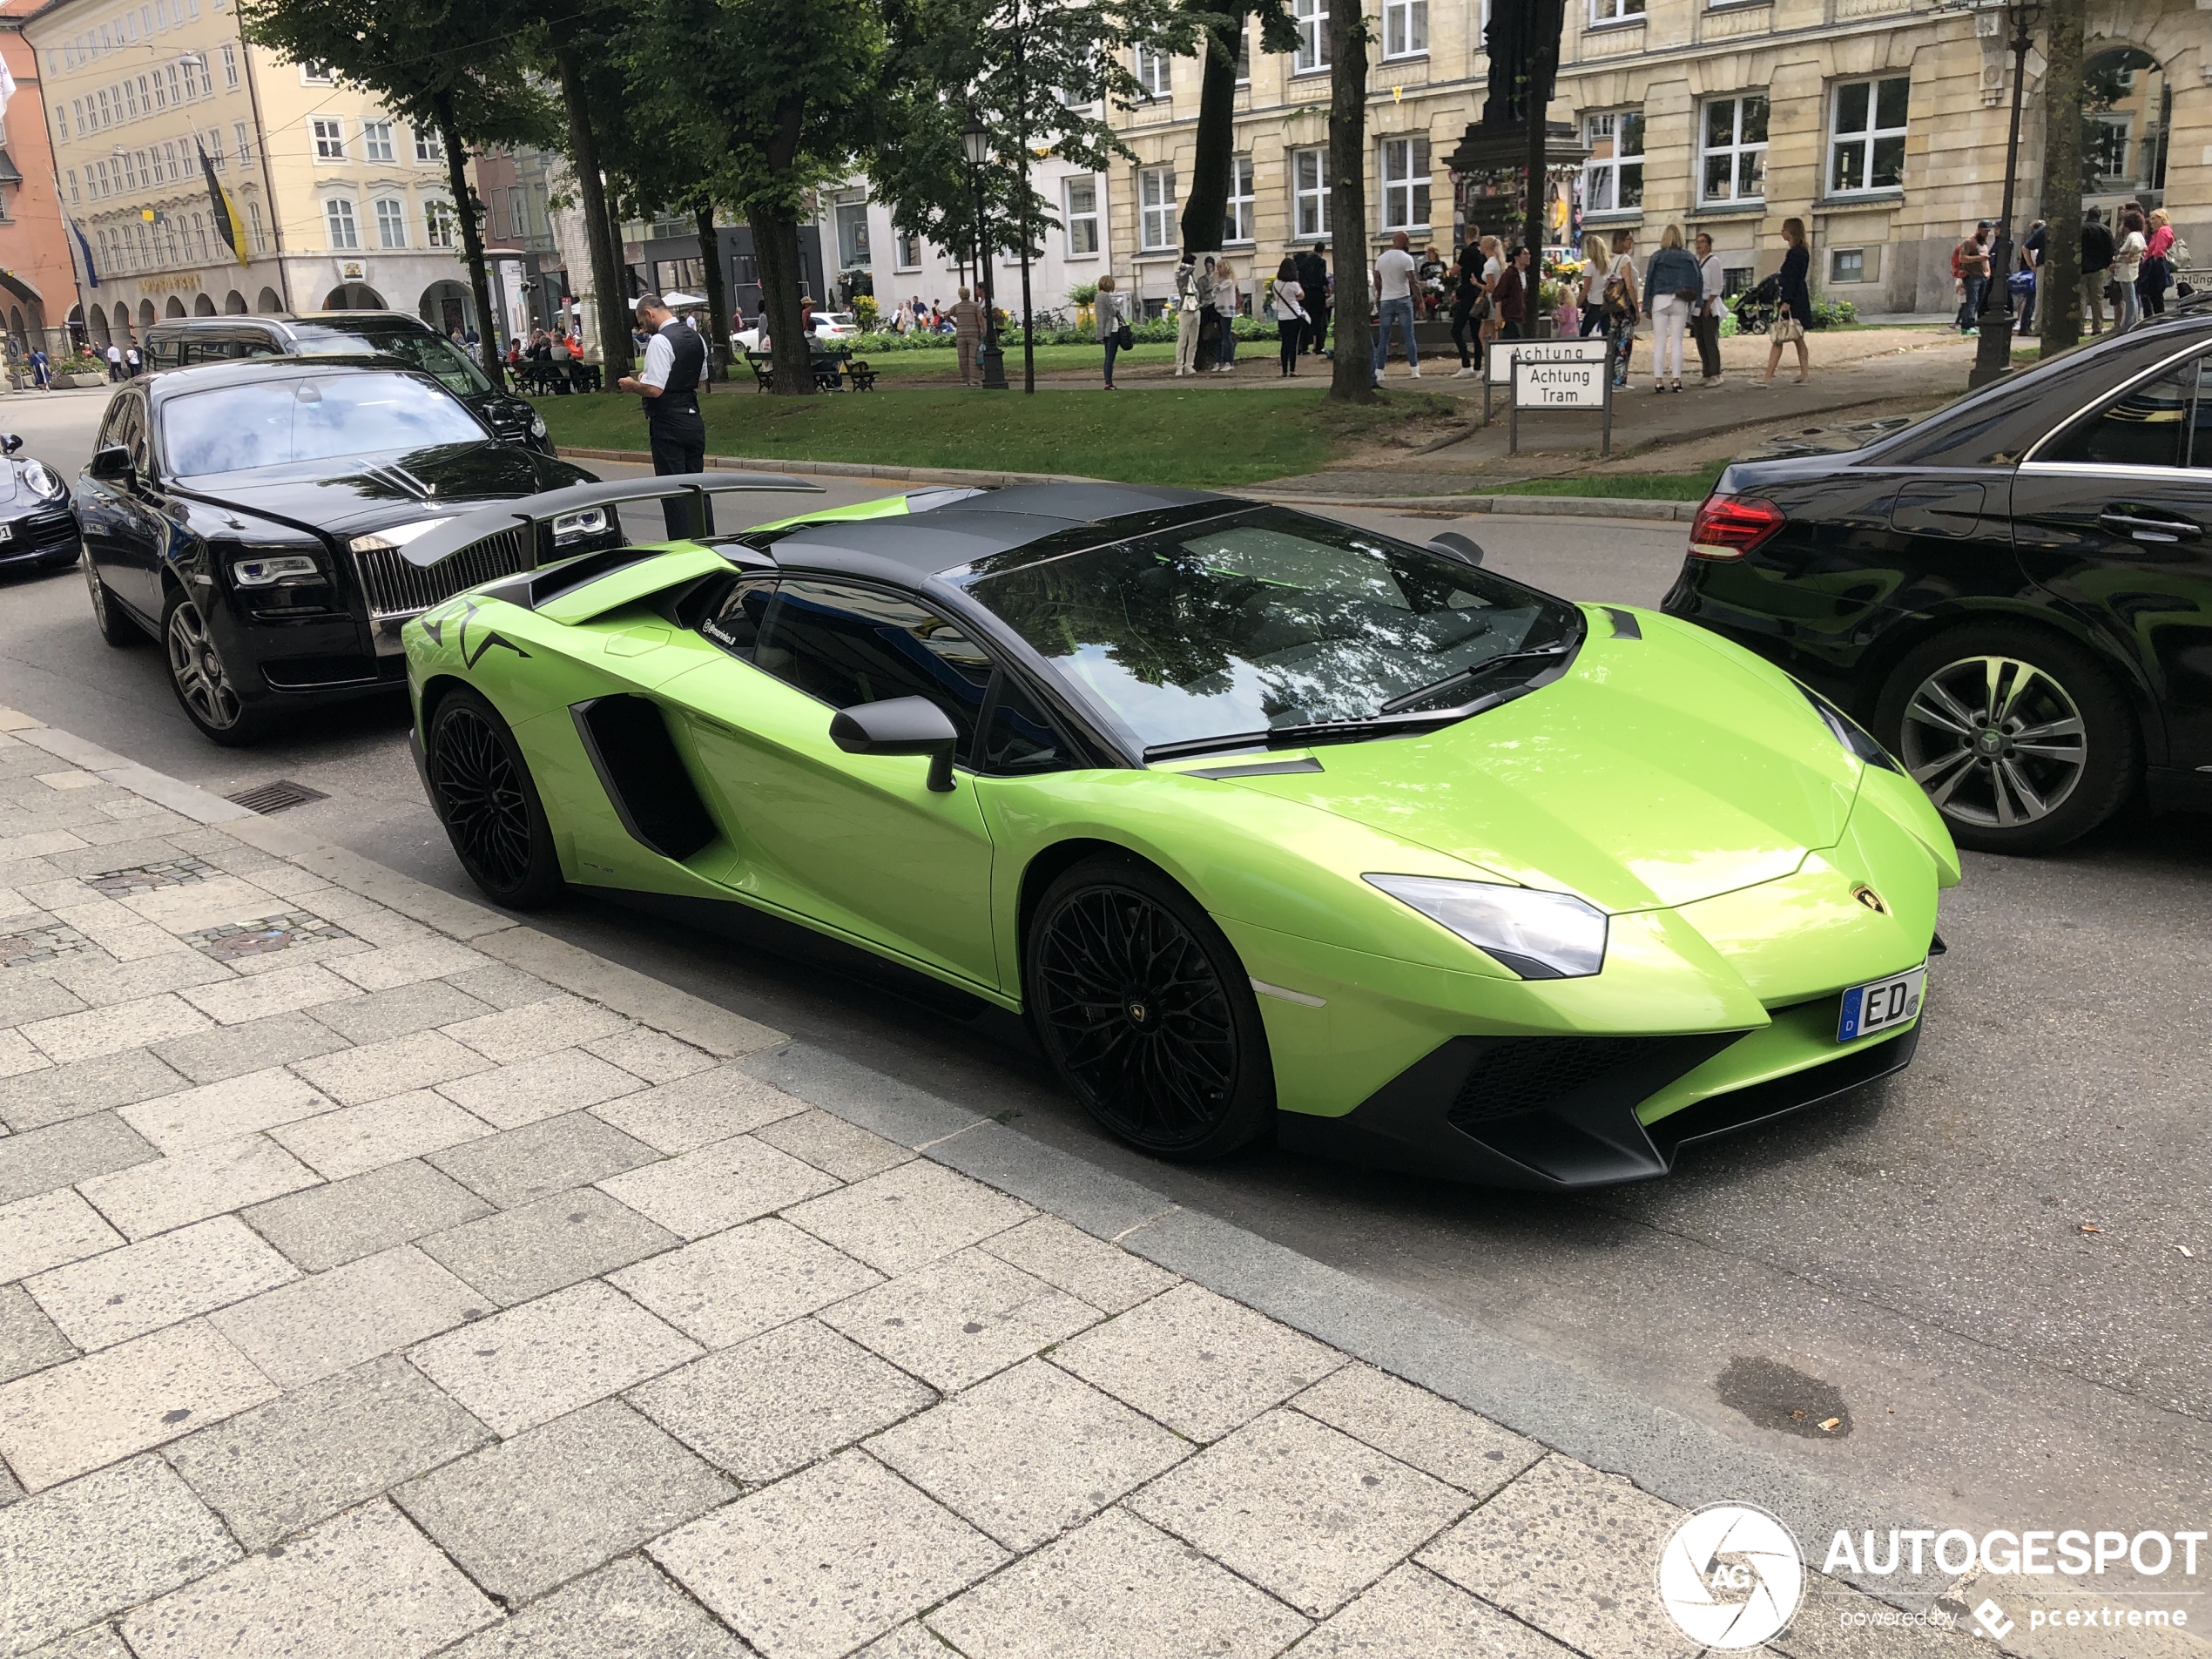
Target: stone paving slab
(504, 1303)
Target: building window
(1155, 207)
(330, 139)
(73, 196)
(1405, 27)
(906, 248)
(428, 146)
(391, 222)
(315, 74)
(852, 236)
(195, 77)
(243, 142)
(254, 224)
(1847, 264)
(1310, 193)
(230, 65)
(1866, 142)
(1404, 183)
(1613, 177)
(338, 215)
(1081, 216)
(1311, 18)
(1605, 12)
(2105, 137)
(176, 162)
(1244, 55)
(1153, 73)
(438, 223)
(1237, 226)
(129, 101)
(176, 91)
(215, 149)
(1732, 143)
(376, 140)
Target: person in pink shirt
(2155, 274)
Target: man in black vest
(675, 359)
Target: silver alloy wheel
(1994, 740)
(197, 668)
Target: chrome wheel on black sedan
(200, 678)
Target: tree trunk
(472, 238)
(717, 294)
(2058, 279)
(583, 150)
(1205, 209)
(1353, 374)
(775, 245)
(1549, 18)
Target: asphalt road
(1913, 1262)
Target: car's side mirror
(900, 725)
(9, 444)
(113, 462)
(1454, 545)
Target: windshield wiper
(1281, 737)
(1421, 694)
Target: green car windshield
(1270, 626)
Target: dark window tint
(849, 645)
(2149, 425)
(111, 424)
(735, 623)
(1021, 738)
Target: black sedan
(254, 517)
(2013, 595)
(38, 529)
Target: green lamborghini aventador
(1261, 820)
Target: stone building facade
(1882, 124)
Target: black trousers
(678, 441)
(1316, 329)
(1707, 330)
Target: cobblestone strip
(413, 1282)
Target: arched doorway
(234, 303)
(16, 329)
(271, 304)
(176, 307)
(448, 306)
(147, 314)
(80, 332)
(353, 296)
(123, 334)
(204, 307)
(2126, 111)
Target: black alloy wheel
(2022, 741)
(1142, 1006)
(201, 679)
(489, 804)
(108, 614)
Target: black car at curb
(2013, 595)
(254, 518)
(37, 527)
(184, 343)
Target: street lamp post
(977, 144)
(1993, 350)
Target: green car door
(857, 843)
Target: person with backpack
(1970, 269)
(1624, 305)
(2096, 264)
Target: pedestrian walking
(1186, 316)
(1313, 287)
(1676, 287)
(1228, 302)
(1515, 297)
(1712, 284)
(132, 363)
(2156, 274)
(1394, 273)
(2127, 265)
(1594, 265)
(1623, 303)
(967, 318)
(1109, 317)
(2031, 267)
(1970, 269)
(41, 369)
(1286, 304)
(1794, 304)
(1470, 304)
(2096, 268)
(114, 362)
(668, 386)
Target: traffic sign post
(1555, 376)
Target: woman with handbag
(1594, 264)
(1470, 306)
(1623, 304)
(1675, 287)
(1286, 304)
(1793, 304)
(1110, 314)
(2157, 272)
(2128, 265)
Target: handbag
(1125, 337)
(1786, 330)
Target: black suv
(183, 341)
(256, 518)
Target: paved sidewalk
(380, 1278)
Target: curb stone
(1661, 1451)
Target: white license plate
(7, 532)
(1881, 1005)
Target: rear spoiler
(536, 513)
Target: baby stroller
(1755, 308)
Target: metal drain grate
(277, 797)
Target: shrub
(1831, 313)
(866, 312)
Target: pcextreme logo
(1731, 1576)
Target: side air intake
(644, 774)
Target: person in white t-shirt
(1394, 268)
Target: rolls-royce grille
(395, 588)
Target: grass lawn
(1632, 486)
(1199, 437)
(905, 366)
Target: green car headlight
(1538, 934)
